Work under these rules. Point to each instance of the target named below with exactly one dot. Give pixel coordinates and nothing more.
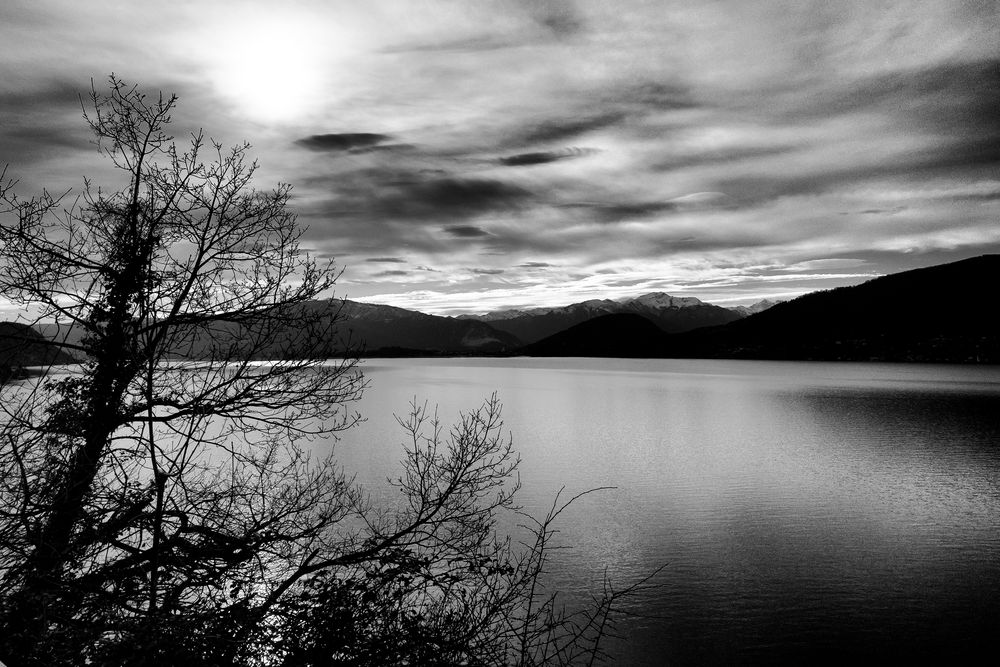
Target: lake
(822, 512)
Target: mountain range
(671, 314)
(382, 330)
(940, 313)
(366, 329)
(945, 313)
(759, 307)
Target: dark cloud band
(465, 231)
(342, 142)
(544, 157)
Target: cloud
(828, 130)
(880, 211)
(398, 148)
(950, 97)
(723, 143)
(825, 264)
(613, 107)
(612, 212)
(701, 201)
(342, 142)
(902, 125)
(544, 157)
(520, 23)
(42, 123)
(525, 159)
(565, 127)
(392, 211)
(712, 155)
(58, 94)
(914, 166)
(487, 272)
(449, 197)
(465, 231)
(560, 17)
(480, 42)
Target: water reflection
(821, 512)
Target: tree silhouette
(158, 504)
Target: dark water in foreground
(826, 513)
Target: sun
(274, 68)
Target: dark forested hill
(22, 346)
(940, 313)
(617, 335)
(380, 327)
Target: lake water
(806, 511)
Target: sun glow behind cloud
(275, 67)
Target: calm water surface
(806, 511)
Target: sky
(462, 156)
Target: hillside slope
(616, 335)
(379, 327)
(940, 313)
(21, 346)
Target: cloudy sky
(463, 156)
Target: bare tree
(158, 504)
(435, 582)
(143, 478)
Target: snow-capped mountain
(596, 306)
(661, 300)
(760, 306)
(672, 314)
